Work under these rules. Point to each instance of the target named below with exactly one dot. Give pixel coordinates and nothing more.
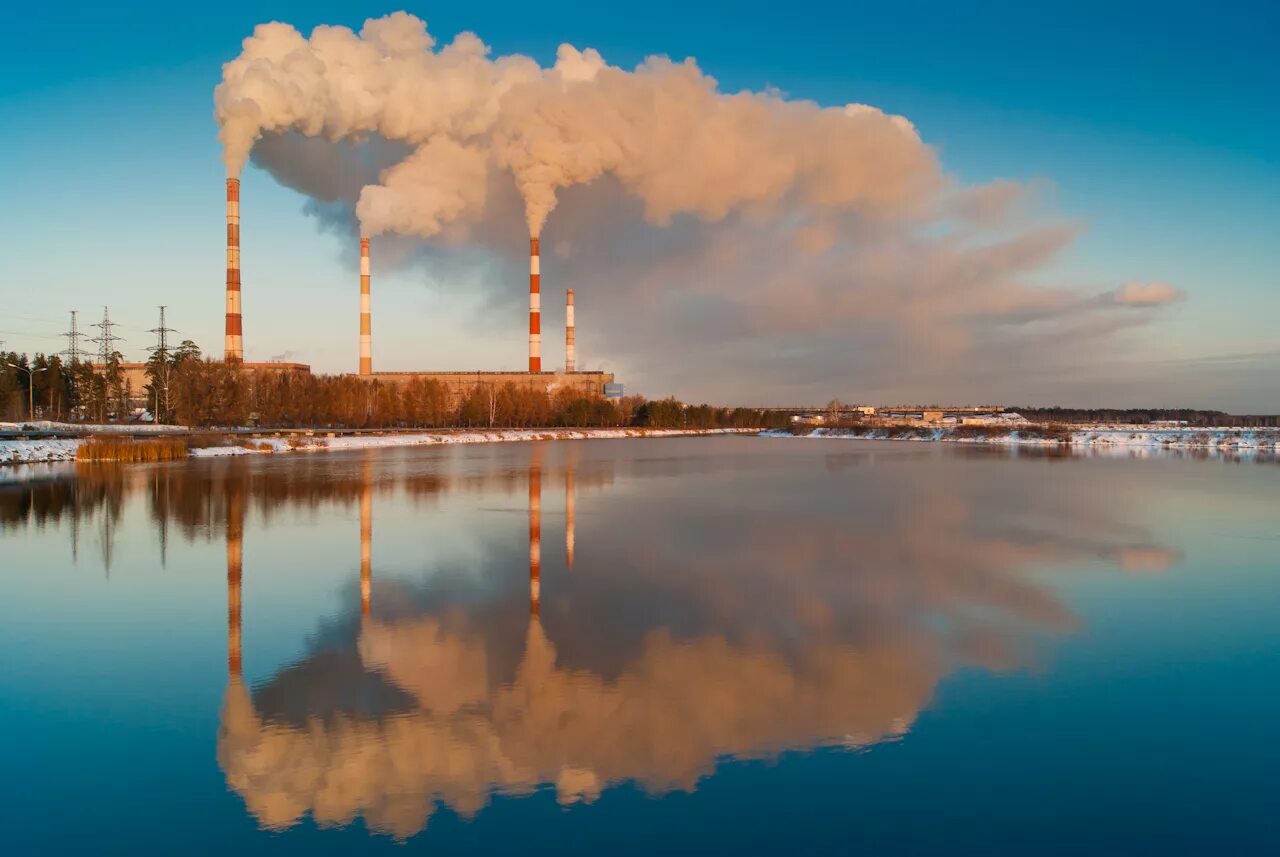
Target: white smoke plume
(787, 249)
(663, 130)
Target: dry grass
(119, 448)
(207, 440)
(1056, 433)
(983, 431)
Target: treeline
(1146, 416)
(47, 387)
(184, 388)
(211, 393)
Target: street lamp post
(31, 388)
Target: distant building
(458, 385)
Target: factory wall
(459, 384)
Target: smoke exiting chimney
(535, 309)
(234, 350)
(570, 364)
(366, 336)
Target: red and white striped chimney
(366, 333)
(570, 363)
(535, 309)
(234, 350)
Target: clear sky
(1154, 126)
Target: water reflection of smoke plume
(795, 634)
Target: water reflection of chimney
(569, 501)
(366, 536)
(535, 531)
(235, 568)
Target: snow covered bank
(319, 444)
(24, 451)
(60, 449)
(92, 428)
(1084, 437)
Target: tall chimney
(535, 309)
(570, 364)
(366, 345)
(535, 538)
(234, 352)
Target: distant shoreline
(1114, 439)
(1092, 437)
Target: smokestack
(570, 365)
(535, 309)
(234, 352)
(535, 539)
(366, 345)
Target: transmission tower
(160, 353)
(161, 348)
(74, 351)
(107, 340)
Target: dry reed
(120, 448)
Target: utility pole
(31, 387)
(160, 354)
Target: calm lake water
(733, 644)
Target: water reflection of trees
(195, 498)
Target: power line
(73, 336)
(107, 341)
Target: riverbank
(64, 449)
(1081, 437)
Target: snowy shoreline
(1093, 439)
(64, 449)
(333, 444)
(1236, 440)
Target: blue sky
(1154, 125)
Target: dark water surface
(733, 645)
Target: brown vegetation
(120, 448)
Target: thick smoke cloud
(664, 130)
(792, 242)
